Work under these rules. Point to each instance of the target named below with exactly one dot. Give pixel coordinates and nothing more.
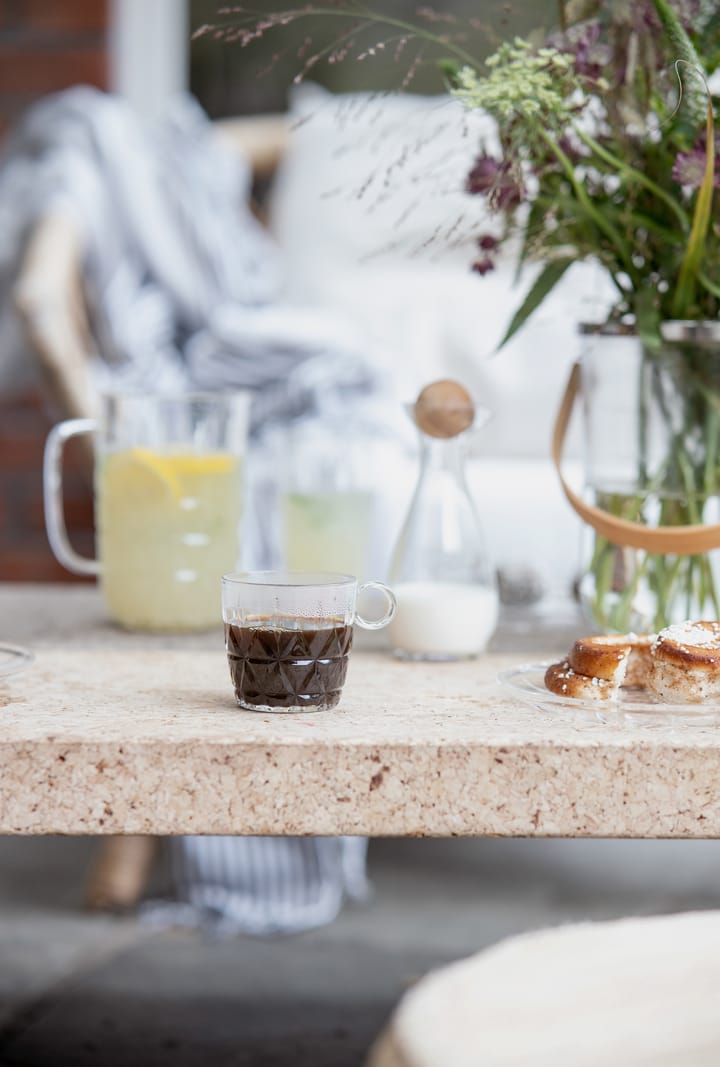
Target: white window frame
(149, 49)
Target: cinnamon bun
(685, 663)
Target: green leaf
(632, 174)
(702, 217)
(586, 203)
(450, 68)
(707, 283)
(531, 229)
(711, 43)
(647, 317)
(646, 222)
(692, 104)
(542, 286)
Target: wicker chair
(49, 299)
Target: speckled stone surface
(112, 733)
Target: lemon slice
(144, 471)
(192, 465)
(159, 467)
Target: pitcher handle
(53, 496)
(391, 602)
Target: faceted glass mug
(288, 636)
(168, 501)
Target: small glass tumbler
(288, 636)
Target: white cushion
(634, 993)
(370, 178)
(363, 209)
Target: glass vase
(652, 455)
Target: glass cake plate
(13, 658)
(527, 682)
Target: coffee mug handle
(377, 624)
(53, 496)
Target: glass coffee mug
(168, 504)
(288, 635)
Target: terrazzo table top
(115, 733)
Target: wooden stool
(635, 993)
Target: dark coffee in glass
(288, 635)
(283, 664)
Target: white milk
(442, 620)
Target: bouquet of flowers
(606, 130)
(608, 151)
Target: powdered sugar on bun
(679, 666)
(598, 667)
(560, 678)
(691, 641)
(685, 663)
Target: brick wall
(45, 46)
(25, 555)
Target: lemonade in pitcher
(168, 503)
(167, 529)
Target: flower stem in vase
(676, 484)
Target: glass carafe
(168, 502)
(440, 573)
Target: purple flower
(483, 175)
(582, 42)
(689, 167)
(646, 17)
(586, 51)
(483, 266)
(485, 262)
(495, 179)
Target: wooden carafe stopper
(444, 409)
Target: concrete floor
(77, 989)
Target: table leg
(120, 872)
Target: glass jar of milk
(447, 599)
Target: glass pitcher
(168, 504)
